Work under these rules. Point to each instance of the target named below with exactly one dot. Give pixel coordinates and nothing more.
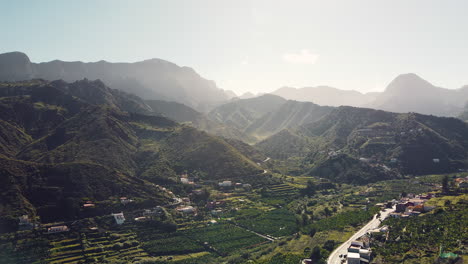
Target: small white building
(125, 200)
(119, 218)
(157, 211)
(225, 184)
(186, 209)
(354, 258)
(57, 229)
(141, 219)
(436, 160)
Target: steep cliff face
(149, 79)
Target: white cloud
(302, 57)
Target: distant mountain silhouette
(149, 79)
(406, 93)
(411, 93)
(265, 115)
(325, 95)
(246, 95)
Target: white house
(225, 184)
(119, 218)
(57, 229)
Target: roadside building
(354, 258)
(359, 251)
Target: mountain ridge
(149, 79)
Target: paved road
(334, 257)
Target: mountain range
(265, 115)
(62, 142)
(149, 79)
(157, 79)
(406, 93)
(358, 145)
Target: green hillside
(291, 114)
(187, 115)
(359, 145)
(58, 149)
(242, 113)
(260, 117)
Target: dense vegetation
(277, 223)
(358, 145)
(62, 143)
(418, 240)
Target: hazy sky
(255, 46)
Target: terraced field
(224, 238)
(22, 250)
(282, 190)
(278, 222)
(95, 247)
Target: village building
(359, 251)
(157, 211)
(216, 212)
(125, 200)
(186, 209)
(25, 223)
(187, 181)
(119, 218)
(215, 204)
(89, 204)
(57, 229)
(225, 184)
(141, 219)
(416, 201)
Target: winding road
(334, 257)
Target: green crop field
(224, 238)
(279, 222)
